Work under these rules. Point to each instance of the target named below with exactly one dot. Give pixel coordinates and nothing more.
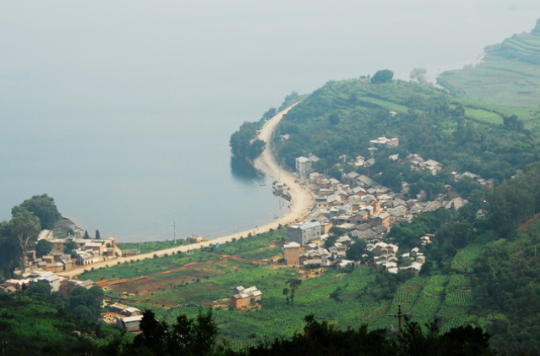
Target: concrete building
(303, 166)
(304, 232)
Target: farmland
(180, 283)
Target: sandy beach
(301, 204)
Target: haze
(122, 110)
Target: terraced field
(509, 73)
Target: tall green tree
(9, 250)
(25, 227)
(98, 236)
(44, 208)
(86, 236)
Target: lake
(122, 111)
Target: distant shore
(300, 206)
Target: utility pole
(400, 315)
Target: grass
(151, 246)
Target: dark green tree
(24, 227)
(86, 236)
(356, 250)
(98, 236)
(43, 247)
(294, 283)
(86, 302)
(154, 338)
(382, 76)
(44, 208)
(69, 246)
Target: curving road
(301, 204)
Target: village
(361, 209)
(348, 227)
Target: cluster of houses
(245, 297)
(386, 258)
(362, 209)
(23, 280)
(307, 248)
(85, 252)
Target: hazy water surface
(122, 110)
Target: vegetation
(244, 143)
(342, 117)
(382, 76)
(44, 208)
(509, 72)
(151, 246)
(35, 322)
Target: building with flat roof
(304, 232)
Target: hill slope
(509, 72)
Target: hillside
(461, 133)
(509, 72)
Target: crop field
(464, 260)
(484, 116)
(181, 283)
(385, 104)
(457, 302)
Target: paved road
(301, 204)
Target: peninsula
(301, 203)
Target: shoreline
(301, 204)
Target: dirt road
(301, 204)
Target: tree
(9, 250)
(86, 302)
(382, 76)
(25, 227)
(190, 337)
(69, 246)
(39, 288)
(86, 236)
(98, 236)
(154, 336)
(268, 115)
(44, 208)
(43, 247)
(294, 283)
(356, 250)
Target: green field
(344, 299)
(509, 73)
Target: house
(303, 166)
(53, 281)
(432, 166)
(192, 239)
(381, 220)
(130, 253)
(245, 297)
(131, 324)
(304, 232)
(87, 257)
(125, 309)
(291, 253)
(386, 142)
